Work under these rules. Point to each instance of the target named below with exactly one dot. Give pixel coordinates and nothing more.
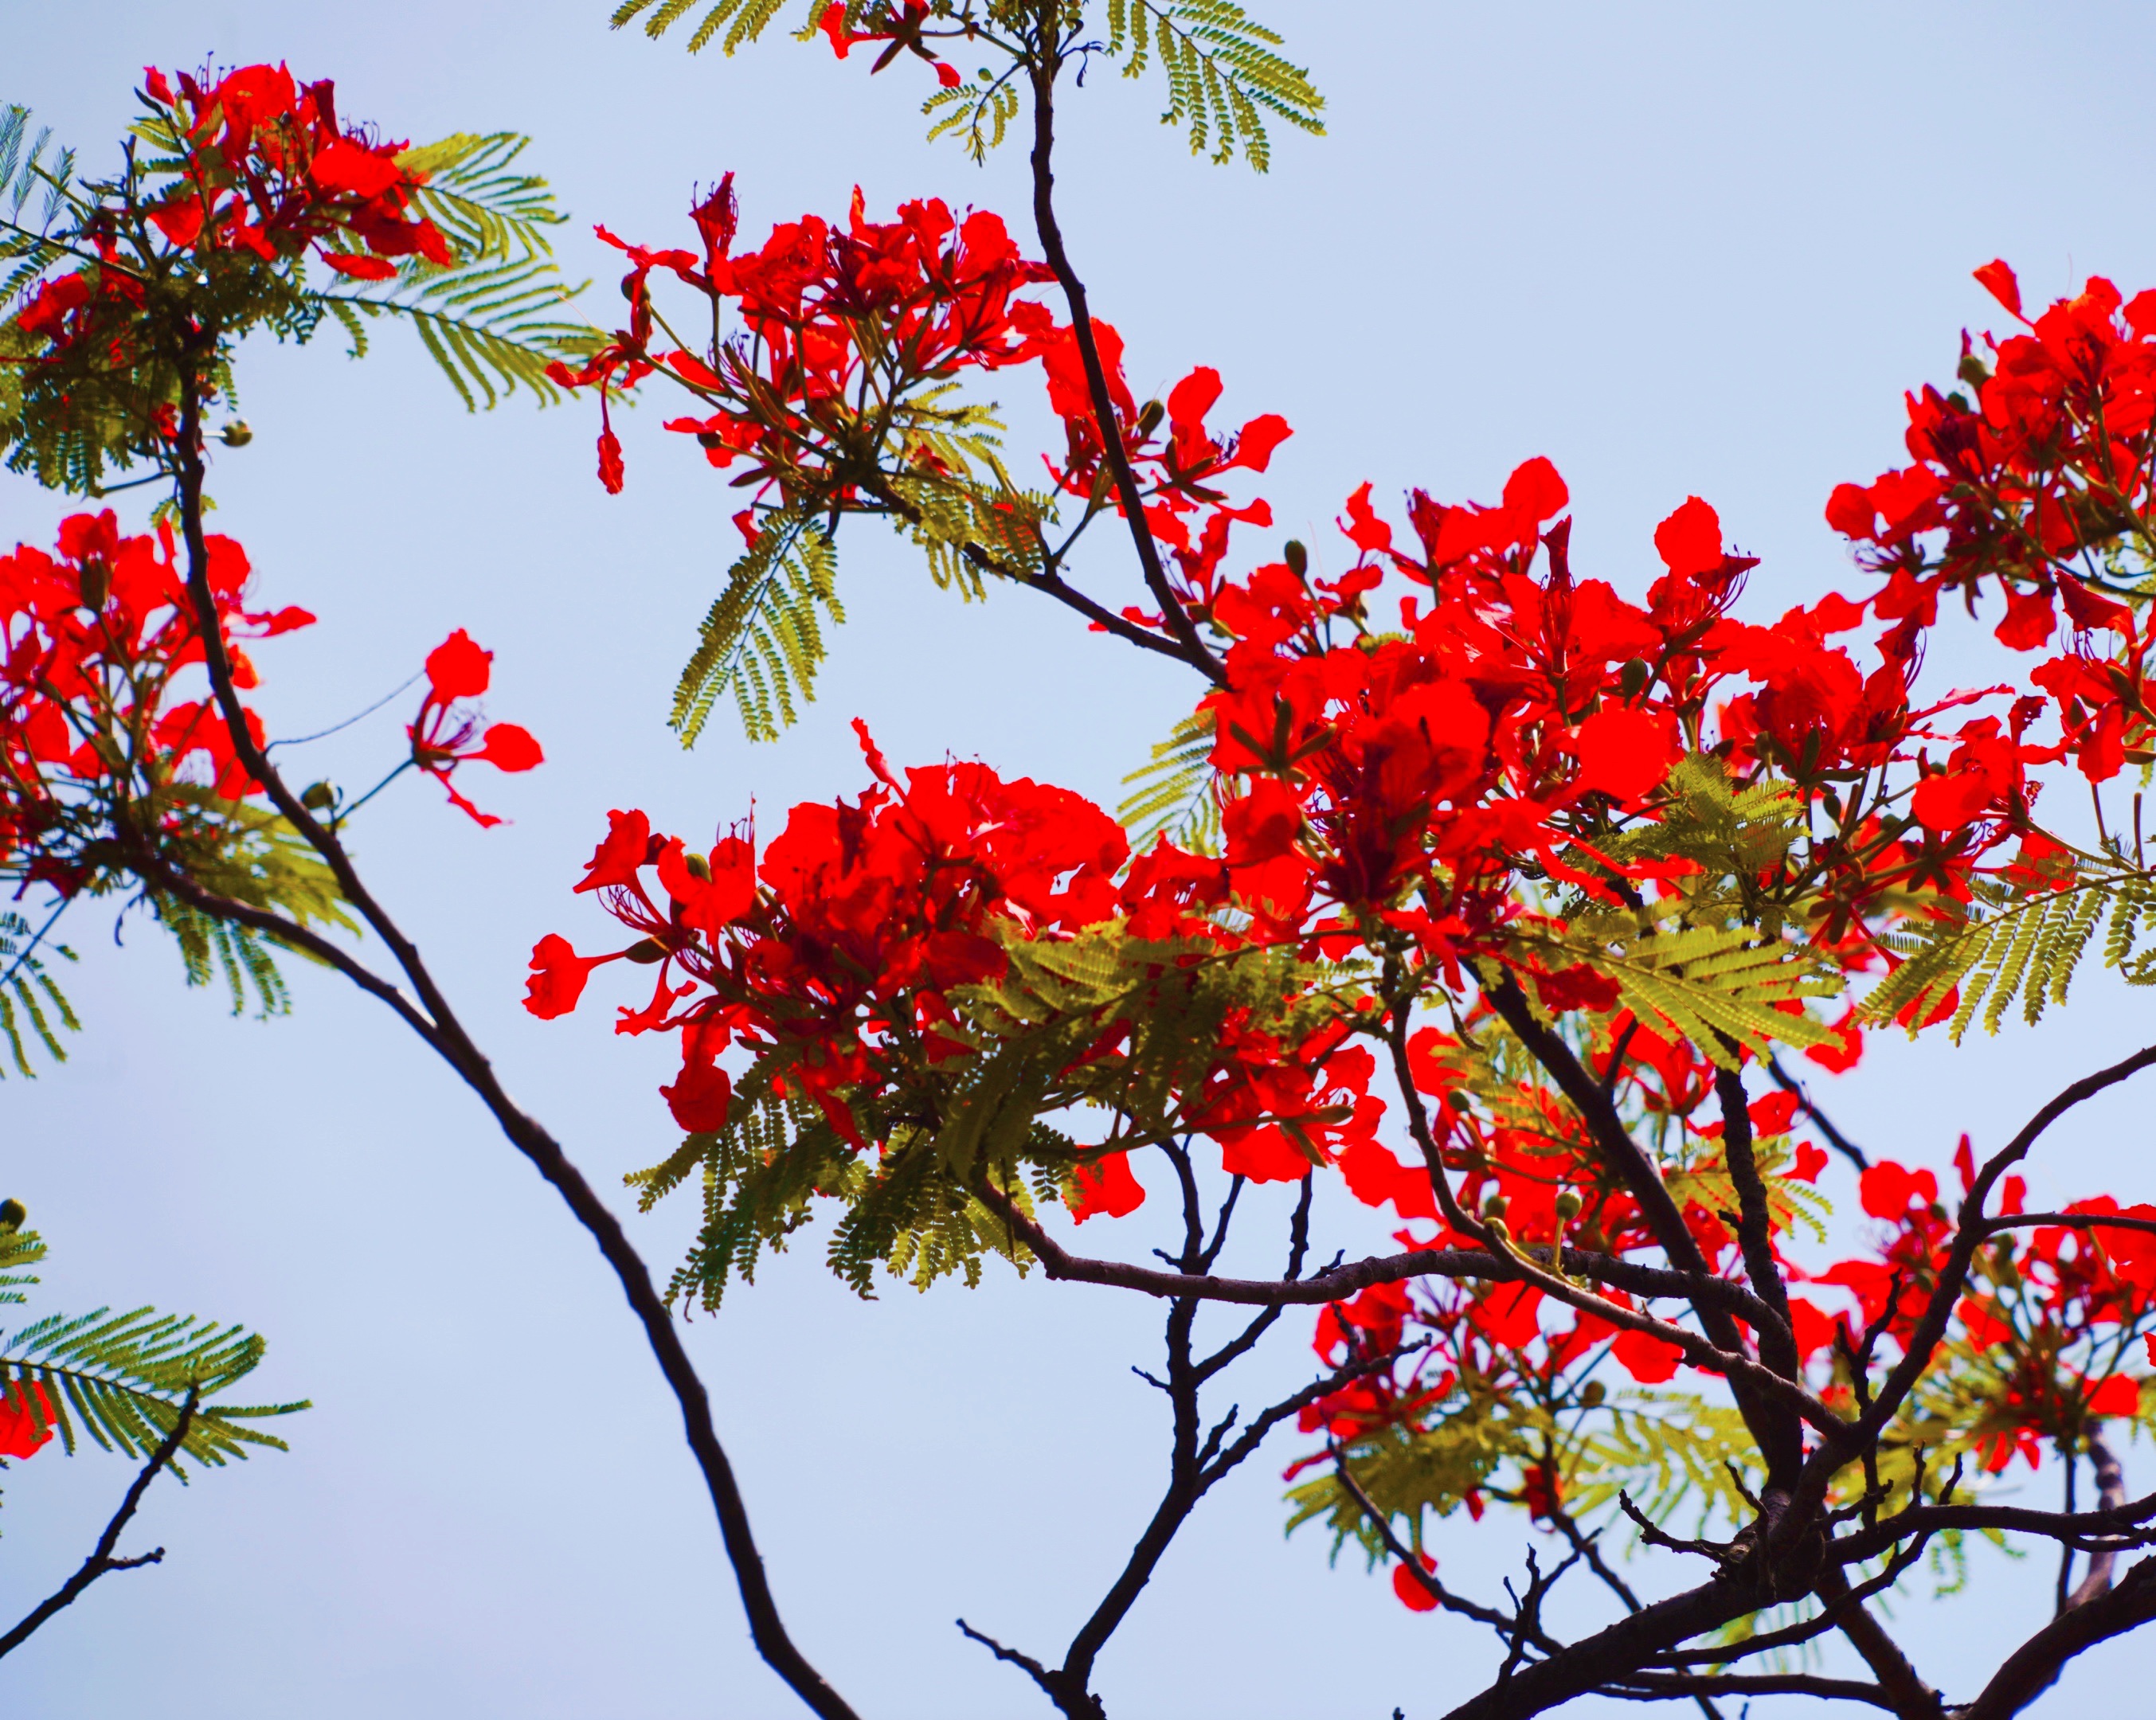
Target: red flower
(442, 739)
(1412, 1594)
(26, 1419)
(1105, 1186)
(558, 974)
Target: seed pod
(318, 797)
(1568, 1204)
(645, 954)
(1632, 678)
(236, 434)
(698, 866)
(1149, 418)
(1298, 559)
(96, 584)
(1592, 1393)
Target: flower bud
(1972, 369)
(236, 434)
(13, 1215)
(1632, 678)
(1298, 559)
(1149, 418)
(1568, 1204)
(1496, 1207)
(1458, 1101)
(318, 797)
(96, 584)
(1592, 1393)
(645, 954)
(697, 866)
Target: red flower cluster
(2027, 487)
(94, 638)
(845, 945)
(269, 169)
(263, 168)
(442, 735)
(838, 325)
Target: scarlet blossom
(1413, 1595)
(26, 1419)
(558, 975)
(443, 736)
(1649, 1359)
(1105, 1187)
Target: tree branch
(447, 1038)
(101, 1561)
(1045, 67)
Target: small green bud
(236, 434)
(318, 797)
(650, 950)
(698, 866)
(1568, 1204)
(1632, 678)
(1149, 418)
(13, 1215)
(1458, 1101)
(1298, 559)
(1972, 369)
(96, 584)
(1832, 802)
(1496, 1207)
(1592, 1393)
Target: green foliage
(1172, 795)
(489, 320)
(951, 1126)
(1669, 1450)
(1223, 75)
(1735, 836)
(249, 855)
(120, 1380)
(1225, 78)
(28, 997)
(761, 639)
(742, 20)
(1708, 982)
(2021, 938)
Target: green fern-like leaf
(247, 854)
(1172, 795)
(31, 1005)
(1223, 77)
(2013, 942)
(742, 20)
(1709, 983)
(762, 639)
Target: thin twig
(101, 1561)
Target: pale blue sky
(1677, 249)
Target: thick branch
(2035, 1667)
(101, 1561)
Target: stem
(101, 1562)
(1046, 66)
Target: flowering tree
(1470, 889)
